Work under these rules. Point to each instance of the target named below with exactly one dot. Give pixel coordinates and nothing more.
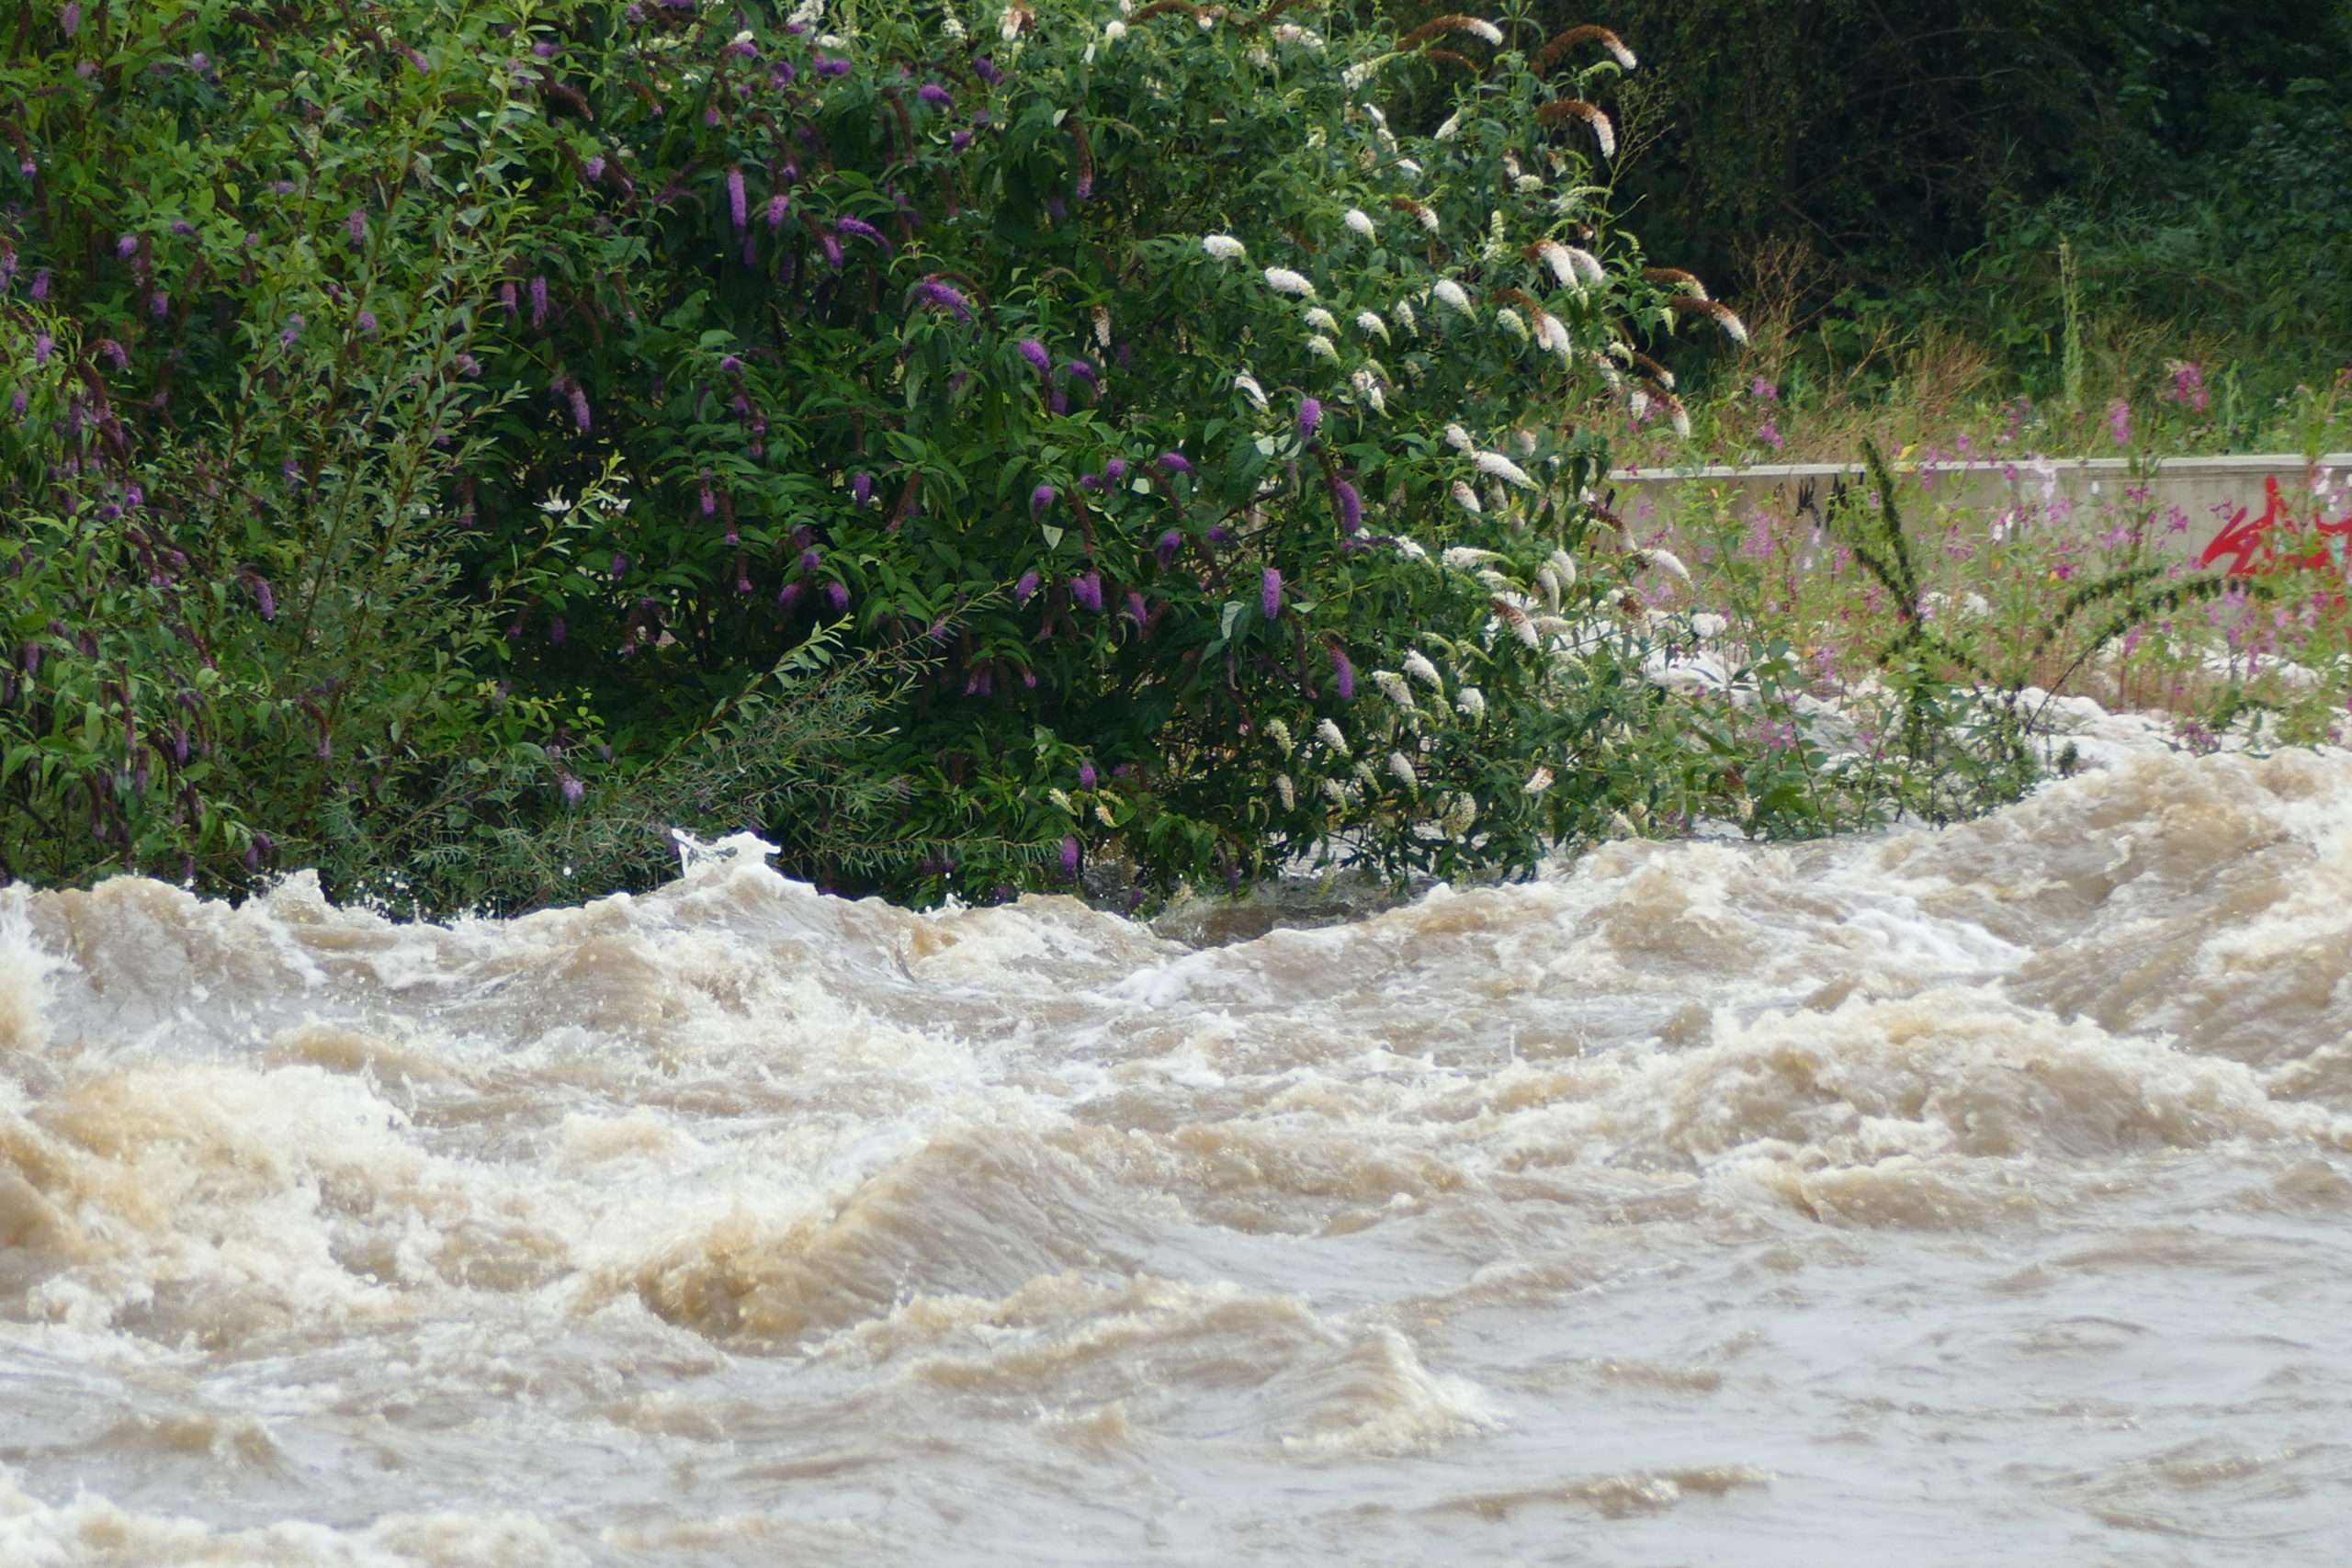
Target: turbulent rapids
(1977, 1196)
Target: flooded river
(1975, 1196)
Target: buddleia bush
(431, 417)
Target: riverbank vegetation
(980, 449)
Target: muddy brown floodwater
(1976, 1196)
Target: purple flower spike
(709, 502)
(41, 284)
(1176, 463)
(1170, 543)
(1039, 500)
(738, 203)
(864, 230)
(731, 365)
(778, 205)
(812, 558)
(358, 225)
(787, 596)
(264, 600)
(1025, 589)
(1270, 592)
(159, 306)
(1138, 611)
(540, 301)
(594, 167)
(839, 593)
(861, 488)
(557, 631)
(69, 21)
(1115, 470)
(17, 402)
(506, 297)
(367, 323)
(1083, 370)
(125, 247)
(959, 139)
(43, 345)
(1035, 353)
(985, 68)
(827, 66)
(1351, 506)
(1069, 854)
(1087, 589)
(1058, 400)
(1220, 535)
(620, 565)
(1343, 675)
(832, 249)
(1087, 777)
(932, 93)
(1310, 414)
(933, 292)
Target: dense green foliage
(447, 425)
(1872, 173)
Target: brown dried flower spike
(1563, 42)
(1476, 27)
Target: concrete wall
(2207, 489)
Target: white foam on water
(1979, 1192)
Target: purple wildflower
(573, 789)
(293, 330)
(1343, 675)
(2119, 422)
(357, 226)
(43, 344)
(1351, 505)
(710, 116)
(1083, 370)
(183, 228)
(69, 20)
(367, 323)
(620, 565)
(17, 402)
(1170, 543)
(730, 363)
(864, 231)
(812, 558)
(1087, 777)
(1115, 470)
(832, 249)
(264, 599)
(1270, 592)
(41, 284)
(291, 472)
(1039, 500)
(932, 93)
(1087, 589)
(1058, 400)
(1310, 414)
(710, 501)
(1220, 535)
(557, 630)
(159, 305)
(1069, 854)
(778, 205)
(1025, 588)
(935, 293)
(860, 488)
(787, 596)
(985, 68)
(1138, 611)
(959, 139)
(594, 167)
(1035, 353)
(1176, 463)
(738, 203)
(506, 297)
(126, 246)
(466, 363)
(838, 594)
(539, 301)
(828, 66)
(114, 353)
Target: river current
(1981, 1195)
